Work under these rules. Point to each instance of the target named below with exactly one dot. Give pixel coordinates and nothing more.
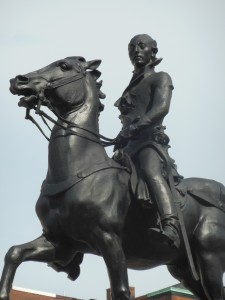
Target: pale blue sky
(191, 40)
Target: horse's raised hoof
(74, 273)
(72, 269)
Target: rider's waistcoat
(136, 101)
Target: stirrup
(172, 234)
(169, 234)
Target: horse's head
(63, 84)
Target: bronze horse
(86, 204)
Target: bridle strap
(53, 85)
(29, 117)
(60, 82)
(79, 127)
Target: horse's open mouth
(29, 99)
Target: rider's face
(140, 51)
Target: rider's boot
(169, 232)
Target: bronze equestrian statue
(87, 202)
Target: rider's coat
(145, 96)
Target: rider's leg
(151, 167)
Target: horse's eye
(64, 66)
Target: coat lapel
(138, 78)
(134, 81)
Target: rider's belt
(52, 189)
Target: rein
(104, 141)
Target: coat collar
(146, 72)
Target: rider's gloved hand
(120, 140)
(124, 135)
(133, 129)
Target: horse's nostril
(22, 79)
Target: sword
(183, 230)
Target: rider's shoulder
(162, 78)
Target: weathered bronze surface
(90, 203)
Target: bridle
(51, 85)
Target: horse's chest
(63, 157)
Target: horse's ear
(92, 64)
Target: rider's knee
(153, 177)
(14, 255)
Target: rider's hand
(123, 137)
(137, 126)
(120, 141)
(133, 129)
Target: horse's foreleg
(110, 247)
(38, 250)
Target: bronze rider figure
(143, 106)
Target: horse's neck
(72, 149)
(86, 117)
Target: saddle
(138, 184)
(209, 192)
